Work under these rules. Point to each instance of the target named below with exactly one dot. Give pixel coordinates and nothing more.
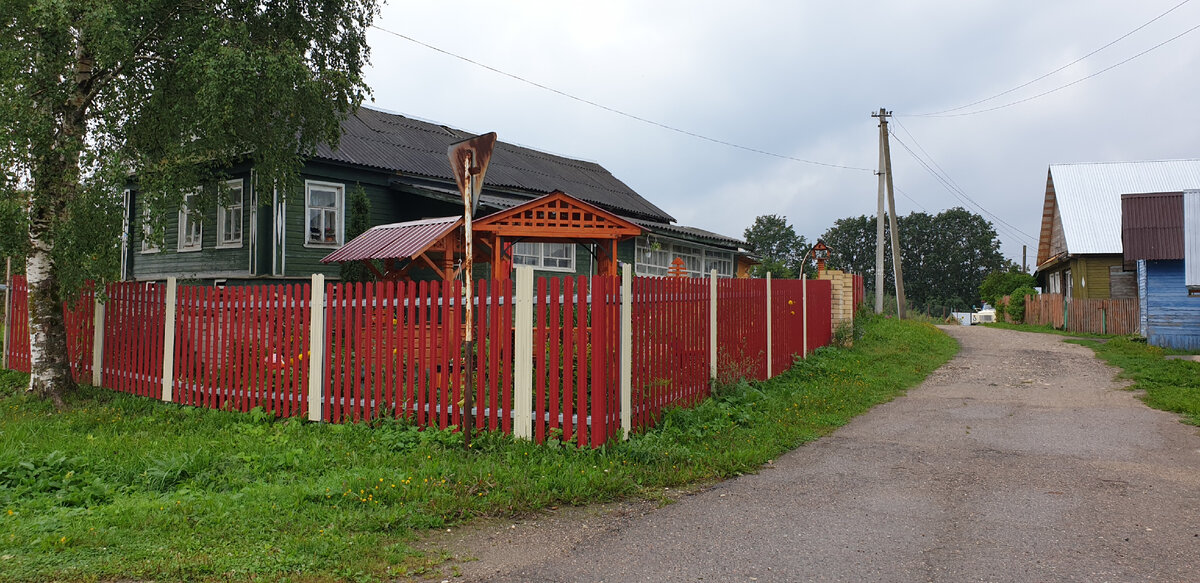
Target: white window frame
(648, 260)
(693, 258)
(539, 256)
(147, 231)
(721, 260)
(224, 211)
(652, 262)
(191, 230)
(339, 210)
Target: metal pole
(469, 311)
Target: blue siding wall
(1172, 318)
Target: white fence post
(626, 350)
(712, 324)
(98, 342)
(168, 364)
(769, 324)
(523, 355)
(804, 315)
(316, 348)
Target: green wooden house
(253, 232)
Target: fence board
(1096, 316)
(820, 316)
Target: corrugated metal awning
(395, 241)
(1152, 226)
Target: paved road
(1020, 460)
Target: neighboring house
(262, 234)
(1079, 249)
(1161, 237)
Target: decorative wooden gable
(1052, 244)
(557, 216)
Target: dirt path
(1020, 460)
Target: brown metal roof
(1152, 226)
(395, 241)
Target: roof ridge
(417, 222)
(1106, 162)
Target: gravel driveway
(1020, 460)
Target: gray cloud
(801, 79)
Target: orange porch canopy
(437, 243)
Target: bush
(1016, 303)
(1002, 283)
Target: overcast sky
(800, 79)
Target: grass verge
(118, 487)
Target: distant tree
(171, 92)
(1002, 283)
(851, 243)
(946, 255)
(777, 245)
(358, 220)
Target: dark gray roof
(401, 144)
(692, 233)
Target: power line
(948, 183)
(1007, 228)
(914, 201)
(1032, 81)
(1061, 87)
(617, 111)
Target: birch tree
(95, 93)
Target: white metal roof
(1089, 196)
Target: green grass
(118, 487)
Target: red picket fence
(575, 339)
(494, 350)
(671, 332)
(237, 348)
(788, 319)
(18, 325)
(79, 320)
(134, 317)
(820, 318)
(393, 349)
(741, 329)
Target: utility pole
(1024, 259)
(879, 230)
(885, 160)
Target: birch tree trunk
(56, 174)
